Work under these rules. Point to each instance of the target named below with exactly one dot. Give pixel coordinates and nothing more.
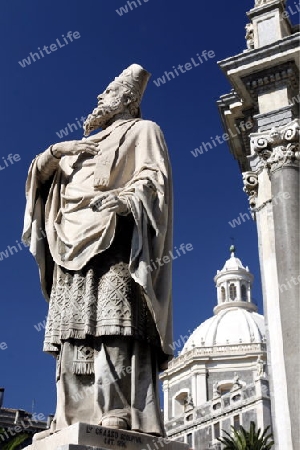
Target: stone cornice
(253, 58)
(279, 147)
(237, 67)
(243, 305)
(265, 80)
(262, 6)
(266, 2)
(217, 351)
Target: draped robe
(132, 162)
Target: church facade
(220, 377)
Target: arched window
(232, 291)
(223, 294)
(179, 403)
(244, 293)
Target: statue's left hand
(110, 203)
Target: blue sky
(40, 99)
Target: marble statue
(216, 392)
(236, 382)
(249, 36)
(188, 403)
(260, 367)
(105, 203)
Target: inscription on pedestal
(83, 436)
(119, 439)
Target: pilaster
(201, 388)
(270, 24)
(166, 400)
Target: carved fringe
(83, 368)
(104, 330)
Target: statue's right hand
(74, 148)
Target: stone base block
(79, 447)
(81, 436)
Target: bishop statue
(105, 205)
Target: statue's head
(123, 95)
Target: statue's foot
(114, 422)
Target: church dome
(236, 320)
(231, 326)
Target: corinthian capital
(278, 147)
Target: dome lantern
(234, 284)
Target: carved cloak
(133, 162)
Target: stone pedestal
(78, 447)
(81, 436)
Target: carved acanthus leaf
(279, 147)
(250, 180)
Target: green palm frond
(242, 439)
(14, 442)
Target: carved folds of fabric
(99, 300)
(89, 304)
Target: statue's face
(110, 103)
(110, 97)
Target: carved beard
(101, 115)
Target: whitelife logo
(183, 68)
(9, 160)
(166, 259)
(124, 9)
(53, 47)
(205, 146)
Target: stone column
(219, 294)
(258, 186)
(249, 299)
(280, 151)
(239, 290)
(227, 292)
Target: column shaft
(286, 221)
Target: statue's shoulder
(147, 126)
